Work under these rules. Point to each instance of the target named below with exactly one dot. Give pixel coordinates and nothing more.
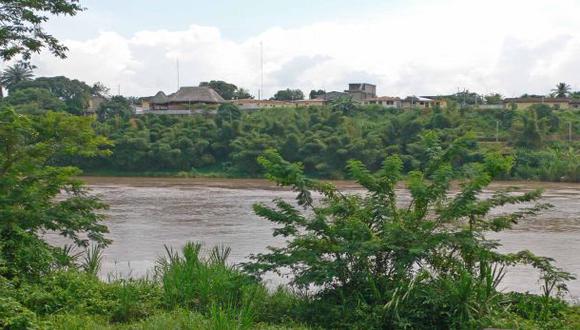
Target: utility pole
(570, 131)
(497, 131)
(261, 71)
(177, 67)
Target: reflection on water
(147, 213)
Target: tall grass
(93, 258)
(206, 283)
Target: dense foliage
(74, 93)
(374, 262)
(288, 95)
(227, 90)
(325, 138)
(30, 183)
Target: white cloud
(510, 47)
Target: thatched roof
(196, 95)
(159, 98)
(189, 95)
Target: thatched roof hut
(195, 95)
(159, 98)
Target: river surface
(147, 213)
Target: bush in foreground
(371, 261)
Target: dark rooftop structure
(361, 91)
(184, 98)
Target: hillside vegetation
(325, 138)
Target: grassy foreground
(191, 291)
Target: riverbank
(212, 173)
(261, 183)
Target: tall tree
(36, 195)
(73, 92)
(242, 93)
(561, 90)
(16, 74)
(116, 106)
(316, 93)
(224, 89)
(34, 101)
(99, 89)
(289, 95)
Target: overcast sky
(404, 47)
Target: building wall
(385, 103)
(526, 105)
(418, 104)
(307, 103)
(361, 92)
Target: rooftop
(189, 94)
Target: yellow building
(385, 101)
(422, 102)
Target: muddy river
(147, 213)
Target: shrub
(15, 316)
(370, 262)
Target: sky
(416, 47)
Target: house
(332, 96)
(361, 91)
(419, 102)
(145, 102)
(311, 102)
(439, 100)
(94, 103)
(385, 101)
(554, 102)
(251, 104)
(185, 98)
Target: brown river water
(147, 213)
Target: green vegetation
(16, 74)
(226, 90)
(22, 31)
(355, 261)
(288, 95)
(325, 138)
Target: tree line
(325, 138)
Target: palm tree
(15, 74)
(562, 90)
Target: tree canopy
(30, 184)
(226, 90)
(74, 93)
(288, 95)
(16, 74)
(22, 32)
(561, 90)
(316, 93)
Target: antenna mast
(177, 63)
(261, 71)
